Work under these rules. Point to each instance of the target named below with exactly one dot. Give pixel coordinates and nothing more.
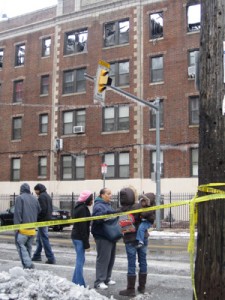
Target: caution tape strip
(216, 194)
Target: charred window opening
(194, 17)
(156, 25)
(76, 41)
(1, 57)
(116, 33)
(20, 54)
(46, 47)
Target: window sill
(42, 177)
(115, 46)
(74, 94)
(75, 53)
(154, 40)
(114, 132)
(44, 95)
(16, 141)
(156, 83)
(193, 125)
(154, 129)
(42, 133)
(72, 135)
(193, 32)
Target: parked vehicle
(6, 217)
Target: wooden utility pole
(210, 259)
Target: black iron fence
(174, 217)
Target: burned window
(1, 57)
(156, 69)
(116, 33)
(119, 72)
(18, 88)
(194, 17)
(20, 55)
(76, 41)
(156, 25)
(46, 46)
(74, 81)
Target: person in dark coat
(42, 240)
(128, 201)
(106, 249)
(27, 209)
(80, 235)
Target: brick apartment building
(53, 132)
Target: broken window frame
(157, 73)
(114, 33)
(46, 47)
(74, 81)
(20, 55)
(18, 89)
(156, 31)
(192, 27)
(1, 57)
(74, 45)
(119, 75)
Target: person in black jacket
(42, 240)
(80, 235)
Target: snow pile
(23, 284)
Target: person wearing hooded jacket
(27, 209)
(106, 250)
(128, 202)
(42, 240)
(80, 235)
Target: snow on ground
(169, 234)
(20, 284)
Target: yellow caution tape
(216, 194)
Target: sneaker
(36, 259)
(111, 282)
(102, 286)
(50, 262)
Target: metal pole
(158, 164)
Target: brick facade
(177, 136)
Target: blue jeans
(141, 253)
(24, 248)
(42, 241)
(145, 225)
(78, 277)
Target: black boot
(130, 291)
(142, 282)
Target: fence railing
(174, 217)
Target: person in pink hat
(80, 235)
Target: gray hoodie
(27, 206)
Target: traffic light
(103, 80)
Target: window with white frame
(194, 17)
(119, 72)
(193, 110)
(43, 123)
(76, 41)
(42, 166)
(74, 81)
(73, 167)
(153, 115)
(194, 162)
(46, 47)
(20, 55)
(118, 165)
(73, 118)
(18, 88)
(192, 62)
(153, 168)
(15, 169)
(156, 69)
(116, 118)
(1, 57)
(16, 128)
(116, 33)
(156, 25)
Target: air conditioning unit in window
(78, 129)
(191, 72)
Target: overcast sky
(18, 7)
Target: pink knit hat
(84, 195)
